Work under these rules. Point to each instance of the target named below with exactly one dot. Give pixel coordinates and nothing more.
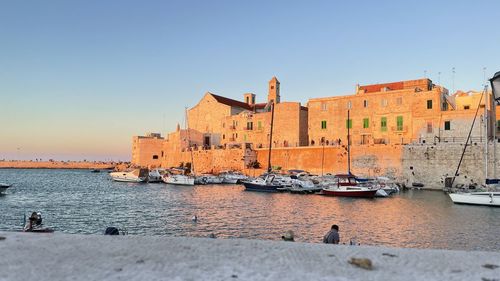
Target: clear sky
(79, 78)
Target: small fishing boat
(346, 186)
(232, 177)
(137, 175)
(155, 175)
(477, 198)
(266, 184)
(178, 179)
(3, 187)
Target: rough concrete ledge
(28, 256)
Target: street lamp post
(495, 90)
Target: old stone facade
(385, 121)
(147, 150)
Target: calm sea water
(78, 201)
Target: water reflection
(84, 202)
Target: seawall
(27, 256)
(56, 165)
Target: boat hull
(350, 193)
(179, 181)
(261, 188)
(477, 198)
(124, 179)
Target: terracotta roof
(231, 102)
(260, 105)
(376, 87)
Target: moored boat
(137, 175)
(3, 187)
(178, 179)
(263, 185)
(476, 198)
(346, 186)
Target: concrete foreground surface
(30, 256)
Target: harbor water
(78, 201)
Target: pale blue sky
(79, 78)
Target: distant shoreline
(59, 165)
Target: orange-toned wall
(408, 103)
(289, 129)
(365, 160)
(143, 150)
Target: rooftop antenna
(439, 77)
(425, 73)
(453, 80)
(484, 76)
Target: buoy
(194, 218)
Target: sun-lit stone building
(147, 150)
(224, 121)
(393, 113)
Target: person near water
(30, 224)
(332, 236)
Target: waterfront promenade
(58, 256)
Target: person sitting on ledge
(288, 236)
(30, 224)
(332, 237)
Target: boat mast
(348, 145)
(486, 125)
(467, 140)
(189, 142)
(270, 139)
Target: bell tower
(274, 90)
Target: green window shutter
(366, 123)
(383, 124)
(259, 124)
(399, 122)
(348, 123)
(323, 124)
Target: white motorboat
(178, 179)
(3, 187)
(137, 175)
(211, 179)
(485, 198)
(232, 177)
(155, 175)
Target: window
(323, 106)
(383, 124)
(323, 124)
(399, 122)
(348, 123)
(466, 107)
(399, 101)
(366, 123)
(429, 127)
(429, 104)
(155, 156)
(259, 125)
(272, 87)
(248, 99)
(365, 103)
(249, 125)
(445, 106)
(349, 105)
(223, 137)
(498, 125)
(447, 125)
(383, 103)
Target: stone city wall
(429, 164)
(366, 160)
